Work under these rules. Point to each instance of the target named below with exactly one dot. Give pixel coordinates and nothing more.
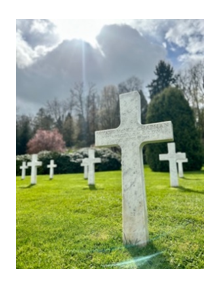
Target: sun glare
(80, 29)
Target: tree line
(86, 110)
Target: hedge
(70, 162)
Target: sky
(51, 54)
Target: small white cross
(51, 166)
(34, 164)
(23, 167)
(85, 165)
(180, 165)
(172, 157)
(90, 163)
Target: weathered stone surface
(180, 165)
(172, 157)
(51, 166)
(131, 135)
(34, 164)
(23, 168)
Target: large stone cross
(90, 162)
(172, 157)
(131, 135)
(34, 164)
(180, 165)
(23, 168)
(51, 166)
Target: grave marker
(131, 136)
(90, 163)
(85, 165)
(180, 165)
(23, 168)
(172, 157)
(51, 166)
(34, 164)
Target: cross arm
(107, 138)
(156, 132)
(164, 157)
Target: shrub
(70, 162)
(170, 105)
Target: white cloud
(25, 55)
(190, 58)
(195, 45)
(39, 26)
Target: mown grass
(63, 224)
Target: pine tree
(23, 133)
(170, 105)
(165, 77)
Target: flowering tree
(46, 140)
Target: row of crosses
(131, 136)
(34, 164)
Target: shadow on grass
(92, 187)
(183, 189)
(185, 178)
(148, 257)
(26, 187)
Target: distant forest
(86, 110)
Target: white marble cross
(180, 165)
(34, 164)
(172, 157)
(85, 168)
(51, 166)
(23, 168)
(90, 162)
(131, 136)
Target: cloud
(128, 53)
(47, 67)
(34, 38)
(177, 33)
(25, 55)
(121, 53)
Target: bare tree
(77, 98)
(56, 109)
(191, 82)
(131, 84)
(109, 108)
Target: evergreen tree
(164, 78)
(23, 133)
(170, 105)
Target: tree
(109, 108)
(131, 84)
(45, 140)
(191, 82)
(56, 109)
(170, 105)
(165, 77)
(92, 114)
(135, 84)
(42, 120)
(23, 133)
(83, 99)
(68, 131)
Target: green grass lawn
(63, 224)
